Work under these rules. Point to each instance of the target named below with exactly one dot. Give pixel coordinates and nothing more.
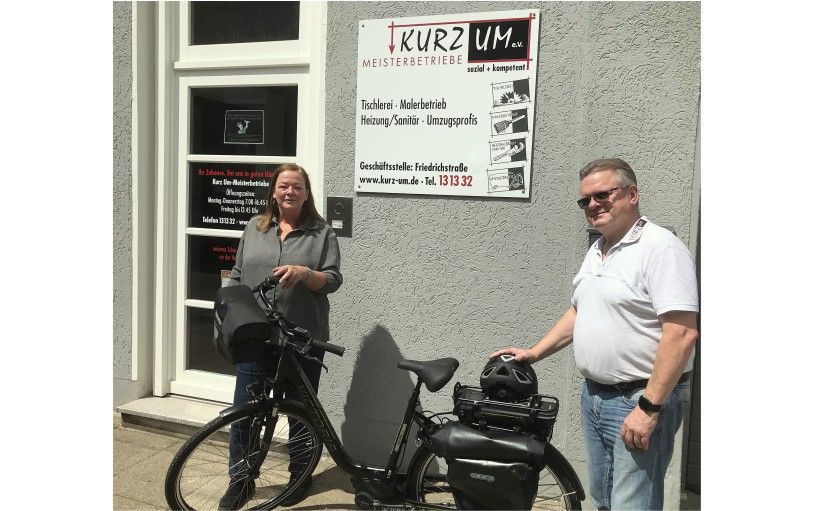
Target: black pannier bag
(241, 327)
(482, 484)
(489, 469)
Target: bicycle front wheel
(199, 474)
(427, 482)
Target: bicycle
(198, 474)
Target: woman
(293, 242)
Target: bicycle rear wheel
(426, 482)
(198, 476)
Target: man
(633, 324)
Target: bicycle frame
(289, 372)
(374, 485)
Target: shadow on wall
(378, 396)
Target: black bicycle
(496, 453)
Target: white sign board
(446, 104)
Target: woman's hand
(290, 274)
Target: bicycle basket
(241, 327)
(535, 415)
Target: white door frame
(180, 68)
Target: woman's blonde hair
(308, 211)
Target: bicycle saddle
(434, 373)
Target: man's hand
(519, 354)
(637, 428)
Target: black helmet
(505, 378)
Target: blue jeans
(256, 372)
(621, 477)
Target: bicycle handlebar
(289, 329)
(328, 347)
(268, 283)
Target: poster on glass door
(445, 104)
(227, 195)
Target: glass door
(244, 106)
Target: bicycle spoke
(200, 473)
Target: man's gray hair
(623, 171)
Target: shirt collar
(636, 230)
(634, 234)
(309, 225)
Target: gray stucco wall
(122, 192)
(429, 277)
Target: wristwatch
(309, 274)
(648, 406)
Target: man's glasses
(599, 197)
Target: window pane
(210, 259)
(201, 352)
(254, 121)
(227, 195)
(243, 22)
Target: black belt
(633, 385)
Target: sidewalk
(142, 456)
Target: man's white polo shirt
(618, 301)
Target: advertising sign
(227, 195)
(445, 104)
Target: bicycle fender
(237, 408)
(555, 458)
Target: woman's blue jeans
(256, 372)
(621, 477)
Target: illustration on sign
(445, 104)
(506, 151)
(244, 127)
(505, 180)
(509, 93)
(508, 122)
